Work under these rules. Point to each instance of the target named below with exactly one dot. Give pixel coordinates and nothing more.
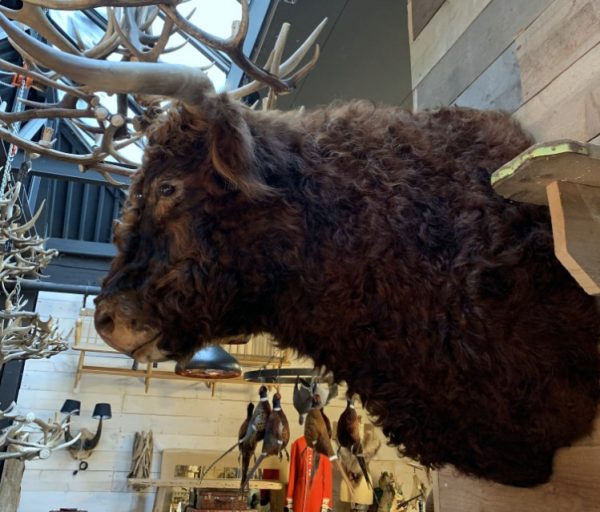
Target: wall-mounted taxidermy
(365, 237)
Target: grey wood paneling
(422, 12)
(365, 54)
(481, 44)
(498, 87)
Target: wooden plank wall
(182, 415)
(539, 60)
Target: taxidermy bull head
(365, 237)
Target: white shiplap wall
(180, 414)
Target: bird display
(328, 393)
(327, 422)
(253, 432)
(348, 436)
(318, 438)
(304, 391)
(248, 447)
(302, 398)
(276, 437)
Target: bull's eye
(166, 190)
(138, 196)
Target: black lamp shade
(71, 407)
(102, 412)
(211, 362)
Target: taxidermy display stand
(565, 175)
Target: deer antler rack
(30, 437)
(79, 73)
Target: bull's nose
(104, 322)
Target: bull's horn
(90, 444)
(190, 85)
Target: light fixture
(210, 362)
(82, 448)
(71, 407)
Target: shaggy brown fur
(369, 238)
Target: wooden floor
(574, 487)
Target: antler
(79, 72)
(23, 335)
(30, 437)
(23, 252)
(75, 5)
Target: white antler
(30, 437)
(139, 77)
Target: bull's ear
(232, 151)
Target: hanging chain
(23, 84)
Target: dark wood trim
(422, 12)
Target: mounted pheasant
(275, 440)
(348, 436)
(251, 432)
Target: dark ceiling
(364, 50)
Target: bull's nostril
(104, 323)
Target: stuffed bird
(317, 438)
(276, 437)
(302, 398)
(246, 448)
(253, 432)
(348, 436)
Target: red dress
(299, 497)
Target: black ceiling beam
(82, 247)
(49, 168)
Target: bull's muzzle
(120, 322)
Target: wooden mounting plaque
(526, 177)
(565, 175)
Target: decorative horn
(190, 85)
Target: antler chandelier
(139, 77)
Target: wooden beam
(10, 484)
(498, 87)
(192, 483)
(569, 106)
(478, 46)
(564, 33)
(439, 35)
(156, 374)
(575, 212)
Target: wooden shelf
(565, 175)
(220, 483)
(259, 352)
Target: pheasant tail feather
(247, 476)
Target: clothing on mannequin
(301, 496)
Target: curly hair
(370, 239)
